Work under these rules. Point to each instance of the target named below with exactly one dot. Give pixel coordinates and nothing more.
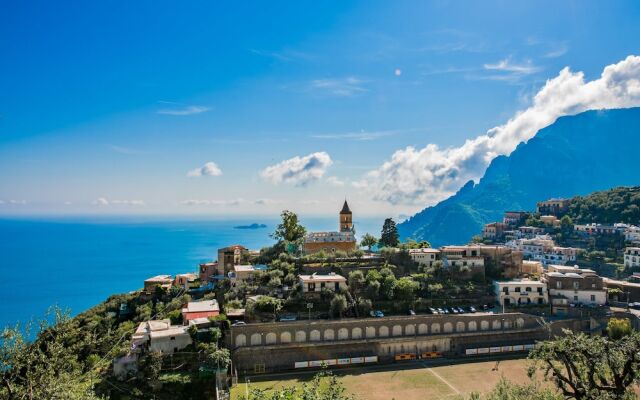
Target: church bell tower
(346, 222)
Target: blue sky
(228, 108)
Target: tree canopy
(289, 230)
(389, 236)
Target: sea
(77, 262)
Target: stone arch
(520, 323)
(356, 333)
(329, 334)
(448, 327)
(301, 336)
(435, 328)
(423, 329)
(314, 335)
(484, 325)
(384, 331)
(473, 326)
(370, 331)
(256, 339)
(496, 324)
(459, 326)
(396, 330)
(285, 337)
(241, 340)
(410, 330)
(270, 338)
(343, 334)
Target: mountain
(577, 155)
(621, 204)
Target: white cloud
(299, 171)
(204, 202)
(427, 175)
(14, 202)
(208, 169)
(397, 72)
(124, 150)
(186, 110)
(103, 201)
(507, 66)
(334, 181)
(362, 135)
(558, 52)
(342, 87)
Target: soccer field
(428, 383)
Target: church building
(330, 242)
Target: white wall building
(632, 234)
(521, 292)
(315, 283)
(425, 257)
(161, 336)
(632, 257)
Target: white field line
(444, 380)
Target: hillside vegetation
(621, 204)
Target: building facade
(230, 256)
(316, 283)
(577, 287)
(160, 336)
(632, 257)
(555, 207)
(425, 257)
(520, 292)
(200, 309)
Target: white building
(521, 292)
(161, 336)
(632, 234)
(425, 257)
(579, 287)
(315, 283)
(632, 257)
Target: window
(312, 287)
(575, 298)
(540, 290)
(558, 285)
(505, 290)
(576, 285)
(337, 286)
(322, 285)
(517, 290)
(528, 289)
(593, 297)
(172, 338)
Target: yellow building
(330, 242)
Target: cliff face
(577, 155)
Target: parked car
(453, 310)
(472, 309)
(288, 317)
(442, 311)
(376, 313)
(411, 312)
(460, 310)
(433, 310)
(239, 323)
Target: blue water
(76, 263)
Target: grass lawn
(452, 381)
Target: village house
(314, 283)
(184, 280)
(160, 336)
(530, 231)
(632, 234)
(163, 281)
(244, 273)
(230, 256)
(200, 309)
(550, 220)
(580, 286)
(598, 229)
(425, 257)
(632, 257)
(330, 242)
(494, 230)
(504, 259)
(208, 272)
(555, 207)
(531, 267)
(520, 292)
(514, 218)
